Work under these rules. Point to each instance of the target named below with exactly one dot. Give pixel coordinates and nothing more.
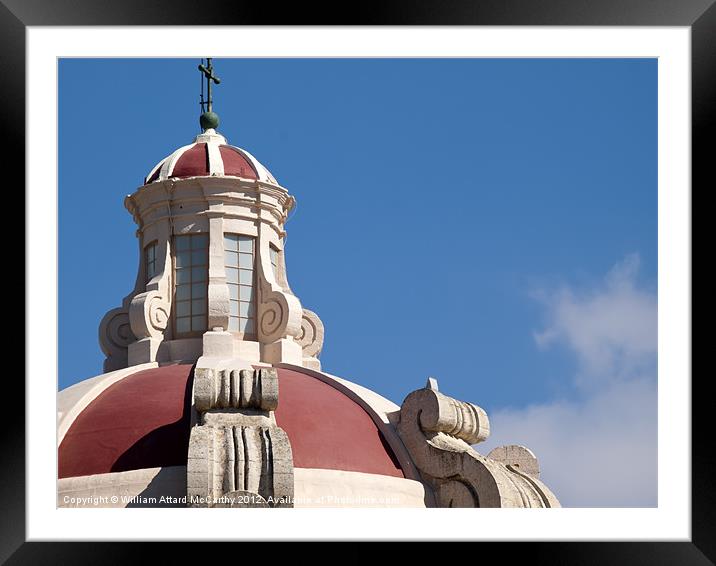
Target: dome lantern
(212, 277)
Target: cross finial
(208, 119)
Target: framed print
(490, 215)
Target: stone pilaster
(238, 456)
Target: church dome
(142, 420)
(213, 394)
(210, 155)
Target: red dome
(235, 163)
(193, 162)
(209, 155)
(143, 421)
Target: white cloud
(600, 450)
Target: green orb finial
(209, 120)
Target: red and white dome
(143, 421)
(209, 156)
(128, 432)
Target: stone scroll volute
(115, 336)
(439, 432)
(311, 336)
(149, 311)
(279, 312)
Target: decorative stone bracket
(311, 339)
(148, 315)
(238, 456)
(279, 314)
(438, 432)
(115, 336)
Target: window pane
(231, 242)
(246, 325)
(246, 310)
(198, 306)
(183, 259)
(183, 325)
(182, 292)
(240, 311)
(274, 256)
(198, 290)
(199, 241)
(246, 261)
(231, 259)
(150, 253)
(246, 244)
(246, 277)
(198, 323)
(246, 293)
(198, 257)
(183, 276)
(182, 242)
(198, 274)
(183, 308)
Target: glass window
(274, 261)
(150, 260)
(240, 258)
(246, 276)
(246, 244)
(191, 268)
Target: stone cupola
(212, 276)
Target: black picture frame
(699, 15)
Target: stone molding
(438, 432)
(238, 455)
(235, 389)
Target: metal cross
(208, 72)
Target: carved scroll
(148, 315)
(279, 311)
(279, 314)
(238, 456)
(115, 336)
(438, 432)
(311, 335)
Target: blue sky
(476, 220)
